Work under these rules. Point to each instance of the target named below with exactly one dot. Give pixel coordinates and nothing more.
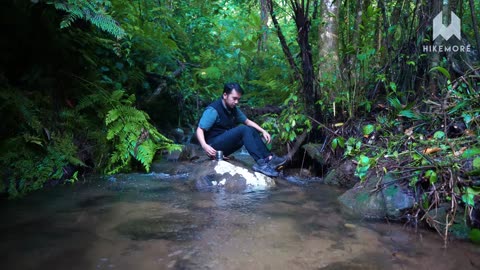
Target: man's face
(231, 100)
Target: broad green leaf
(393, 86)
(476, 163)
(341, 142)
(467, 118)
(441, 70)
(409, 114)
(364, 160)
(469, 196)
(468, 199)
(358, 145)
(474, 235)
(368, 129)
(471, 152)
(439, 135)
(432, 176)
(334, 143)
(395, 103)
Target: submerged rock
(178, 227)
(436, 218)
(378, 198)
(211, 175)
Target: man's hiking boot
(263, 167)
(277, 162)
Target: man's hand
(201, 139)
(209, 150)
(266, 136)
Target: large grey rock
(189, 152)
(343, 175)
(214, 175)
(315, 152)
(436, 218)
(378, 198)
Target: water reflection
(154, 222)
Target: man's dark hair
(229, 87)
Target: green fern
(28, 165)
(132, 135)
(94, 12)
(35, 153)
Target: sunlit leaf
(341, 142)
(441, 70)
(471, 152)
(334, 143)
(409, 114)
(364, 160)
(393, 86)
(469, 196)
(368, 129)
(467, 118)
(439, 135)
(476, 163)
(432, 176)
(395, 103)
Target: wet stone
(96, 200)
(233, 178)
(173, 227)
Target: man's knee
(244, 129)
(247, 130)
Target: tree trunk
(262, 41)
(435, 59)
(328, 49)
(386, 41)
(475, 24)
(283, 42)
(302, 21)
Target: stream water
(152, 221)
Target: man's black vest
(228, 120)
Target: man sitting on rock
(219, 129)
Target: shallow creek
(152, 221)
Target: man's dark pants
(233, 139)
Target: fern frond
(90, 11)
(112, 116)
(113, 131)
(146, 152)
(395, 103)
(117, 95)
(108, 24)
(132, 135)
